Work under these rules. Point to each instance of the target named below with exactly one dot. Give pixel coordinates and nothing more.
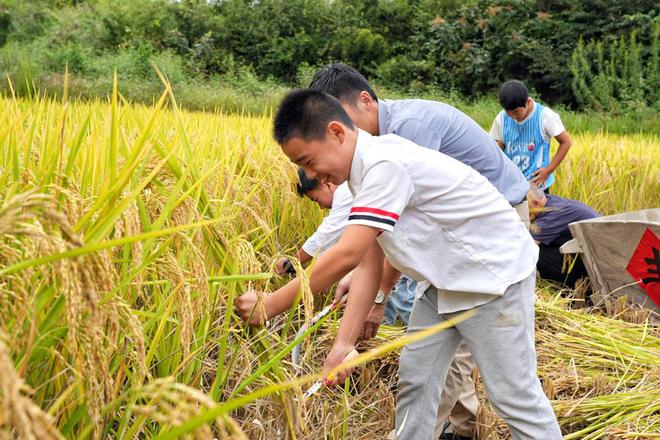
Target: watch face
(380, 298)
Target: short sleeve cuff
(557, 131)
(496, 128)
(554, 125)
(309, 248)
(374, 217)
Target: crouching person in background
(550, 216)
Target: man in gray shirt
(442, 128)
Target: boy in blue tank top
(524, 129)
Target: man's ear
(337, 130)
(365, 99)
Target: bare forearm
(389, 278)
(282, 299)
(562, 151)
(328, 269)
(303, 256)
(364, 284)
(565, 143)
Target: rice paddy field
(127, 231)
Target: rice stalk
(127, 231)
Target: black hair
(306, 113)
(513, 94)
(341, 81)
(305, 184)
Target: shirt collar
(383, 116)
(357, 165)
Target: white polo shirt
(441, 221)
(333, 224)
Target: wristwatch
(381, 298)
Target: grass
(244, 94)
(126, 232)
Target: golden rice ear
(19, 414)
(172, 404)
(305, 291)
(170, 215)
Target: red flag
(644, 265)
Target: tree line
(570, 52)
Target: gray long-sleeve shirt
(443, 128)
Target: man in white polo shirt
(439, 127)
(435, 219)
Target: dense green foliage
(415, 46)
(614, 76)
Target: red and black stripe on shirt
(373, 214)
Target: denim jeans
(400, 303)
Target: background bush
(617, 75)
(465, 48)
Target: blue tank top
(525, 145)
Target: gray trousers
(458, 402)
(501, 338)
